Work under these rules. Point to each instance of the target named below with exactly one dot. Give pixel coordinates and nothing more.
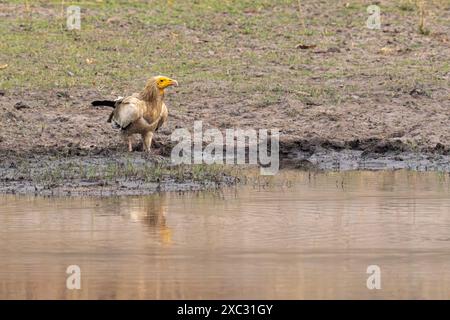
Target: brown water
(298, 236)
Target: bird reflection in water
(151, 211)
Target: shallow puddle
(298, 235)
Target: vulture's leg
(128, 139)
(130, 144)
(148, 141)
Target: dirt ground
(312, 69)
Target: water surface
(295, 236)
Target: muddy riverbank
(65, 147)
(55, 143)
(106, 173)
(102, 172)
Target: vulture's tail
(106, 103)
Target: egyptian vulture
(141, 113)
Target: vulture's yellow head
(163, 82)
(155, 87)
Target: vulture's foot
(156, 151)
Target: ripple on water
(310, 238)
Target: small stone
(62, 94)
(417, 92)
(333, 49)
(20, 105)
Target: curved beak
(173, 82)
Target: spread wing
(127, 111)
